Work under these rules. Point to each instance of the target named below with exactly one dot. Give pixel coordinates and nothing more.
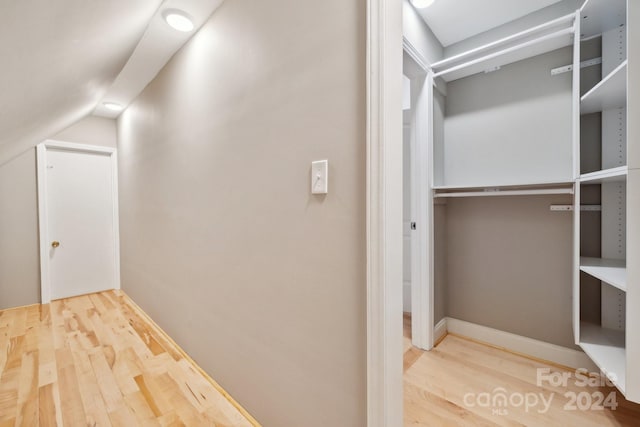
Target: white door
(406, 219)
(80, 218)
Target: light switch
(320, 177)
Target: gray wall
(91, 130)
(19, 248)
(440, 293)
(590, 161)
(512, 126)
(509, 263)
(416, 31)
(19, 258)
(262, 283)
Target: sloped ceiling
(156, 47)
(58, 58)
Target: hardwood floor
(458, 384)
(97, 360)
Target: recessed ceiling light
(112, 106)
(178, 20)
(421, 4)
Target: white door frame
(384, 213)
(41, 149)
(422, 273)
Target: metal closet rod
(506, 51)
(505, 40)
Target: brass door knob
(55, 244)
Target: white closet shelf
(511, 186)
(599, 16)
(611, 271)
(606, 347)
(610, 93)
(510, 190)
(505, 193)
(618, 174)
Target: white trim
(72, 146)
(384, 213)
(575, 271)
(440, 330)
(415, 54)
(45, 288)
(41, 150)
(527, 346)
(421, 203)
(116, 215)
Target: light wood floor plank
(27, 410)
(97, 360)
(442, 387)
(427, 409)
(48, 410)
(93, 402)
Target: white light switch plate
(320, 177)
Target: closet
(605, 331)
(531, 131)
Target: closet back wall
(509, 265)
(512, 126)
(261, 282)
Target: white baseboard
(440, 330)
(527, 346)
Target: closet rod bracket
(583, 64)
(568, 208)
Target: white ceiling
(60, 58)
(158, 44)
(454, 20)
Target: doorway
(418, 198)
(78, 217)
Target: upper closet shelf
(526, 44)
(599, 16)
(618, 174)
(611, 271)
(610, 93)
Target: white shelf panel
(610, 93)
(611, 271)
(606, 347)
(599, 16)
(618, 174)
(510, 186)
(496, 193)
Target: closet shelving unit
(609, 94)
(612, 343)
(491, 57)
